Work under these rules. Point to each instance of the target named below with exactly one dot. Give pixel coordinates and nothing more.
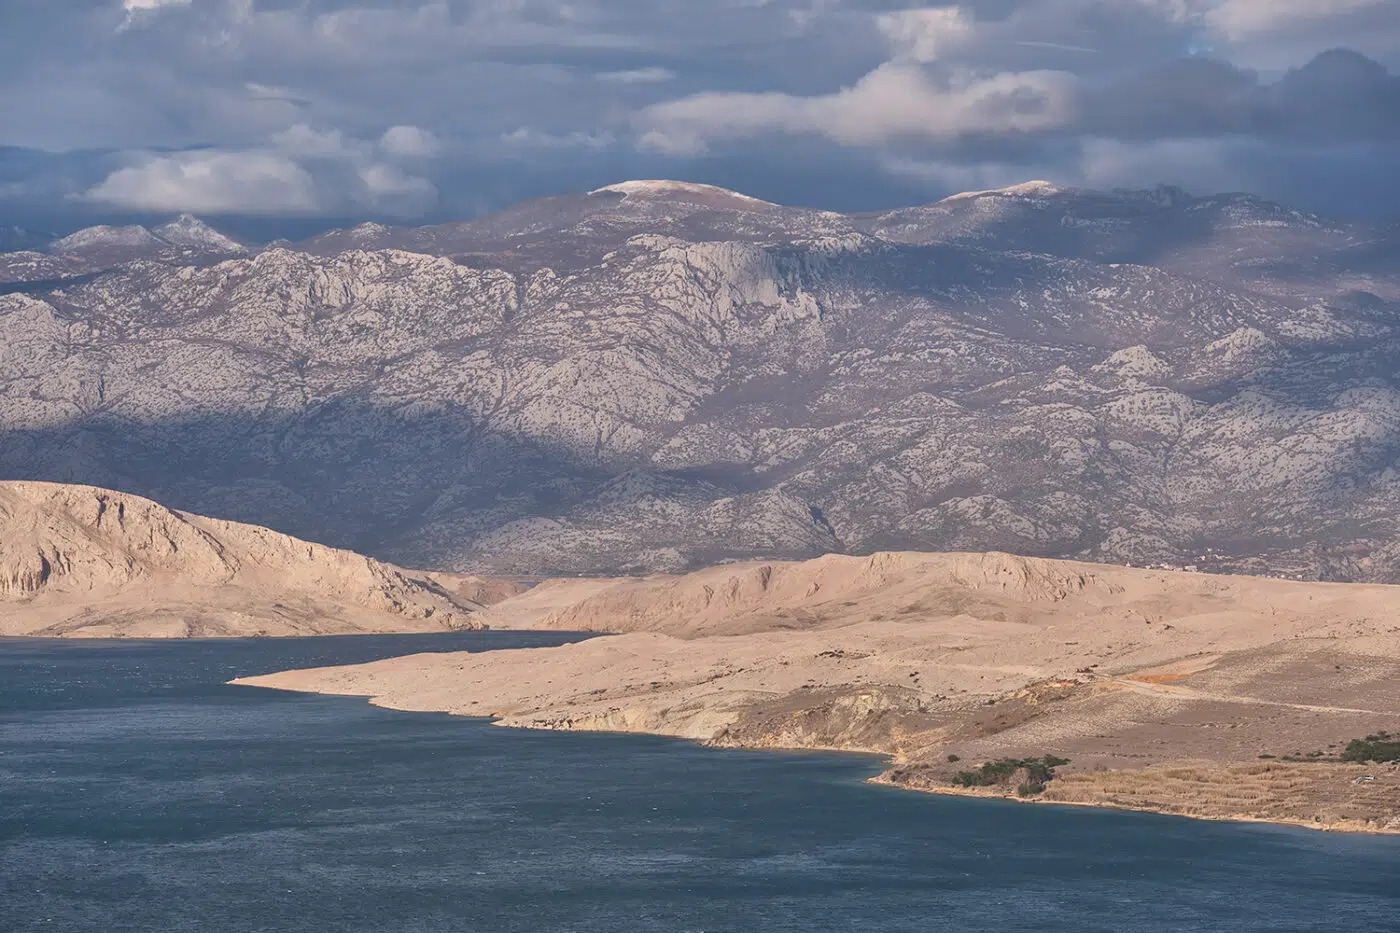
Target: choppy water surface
(138, 793)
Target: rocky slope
(1211, 696)
(85, 562)
(656, 376)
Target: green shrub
(1381, 748)
(1039, 772)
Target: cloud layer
(892, 104)
(444, 107)
(300, 170)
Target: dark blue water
(137, 793)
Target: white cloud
(892, 103)
(637, 76)
(132, 6)
(409, 141)
(1242, 19)
(300, 170)
(925, 35)
(299, 139)
(389, 188)
(140, 10)
(211, 182)
(527, 138)
(227, 74)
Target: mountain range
(659, 375)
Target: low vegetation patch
(1382, 747)
(1035, 773)
(1378, 748)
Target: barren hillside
(1209, 695)
(80, 561)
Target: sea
(139, 792)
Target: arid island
(1212, 696)
(1220, 697)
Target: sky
(319, 111)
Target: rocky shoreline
(1373, 810)
(1234, 699)
(1366, 817)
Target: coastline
(1054, 795)
(1349, 826)
(884, 779)
(1163, 693)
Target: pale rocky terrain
(77, 561)
(30, 257)
(658, 376)
(1164, 689)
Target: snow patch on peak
(662, 188)
(1027, 189)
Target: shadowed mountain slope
(656, 375)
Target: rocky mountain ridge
(657, 375)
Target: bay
(138, 792)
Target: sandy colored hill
(1163, 689)
(87, 562)
(839, 590)
(547, 604)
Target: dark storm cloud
(435, 108)
(1338, 97)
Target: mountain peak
(678, 190)
(1026, 189)
(188, 230)
(104, 236)
(564, 397)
